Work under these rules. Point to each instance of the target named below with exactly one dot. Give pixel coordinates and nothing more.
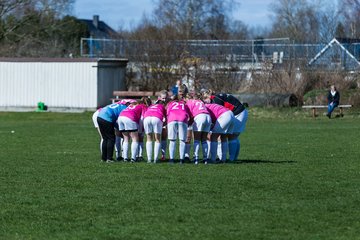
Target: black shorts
(106, 128)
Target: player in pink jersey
(127, 101)
(240, 113)
(201, 126)
(178, 116)
(119, 138)
(164, 96)
(182, 93)
(130, 124)
(154, 118)
(222, 120)
(141, 134)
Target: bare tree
(8, 7)
(164, 57)
(350, 10)
(153, 60)
(58, 7)
(297, 19)
(38, 28)
(329, 19)
(195, 19)
(238, 30)
(13, 11)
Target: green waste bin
(41, 106)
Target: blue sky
(129, 12)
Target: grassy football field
(297, 178)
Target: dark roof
(102, 30)
(4, 59)
(329, 56)
(348, 40)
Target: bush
(318, 97)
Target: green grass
(297, 178)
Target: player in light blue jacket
(107, 124)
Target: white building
(61, 83)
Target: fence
(240, 51)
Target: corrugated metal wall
(57, 84)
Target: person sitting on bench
(333, 100)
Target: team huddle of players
(212, 122)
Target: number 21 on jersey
(177, 106)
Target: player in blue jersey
(107, 124)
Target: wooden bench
(314, 107)
(118, 95)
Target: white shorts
(240, 122)
(153, 125)
(126, 124)
(94, 118)
(224, 124)
(202, 123)
(175, 128)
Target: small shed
(61, 83)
